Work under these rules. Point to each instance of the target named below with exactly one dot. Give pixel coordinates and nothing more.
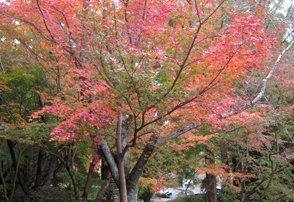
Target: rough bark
(133, 192)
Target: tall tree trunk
(210, 182)
(120, 160)
(210, 185)
(38, 180)
(41, 155)
(51, 170)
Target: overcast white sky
(286, 5)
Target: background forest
(118, 99)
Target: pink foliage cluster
(75, 120)
(245, 36)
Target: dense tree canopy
(132, 81)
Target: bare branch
(184, 130)
(270, 74)
(263, 86)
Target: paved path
(177, 192)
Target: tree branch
(149, 149)
(263, 86)
(183, 130)
(187, 55)
(110, 160)
(138, 169)
(182, 104)
(44, 21)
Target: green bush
(191, 198)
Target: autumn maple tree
(132, 72)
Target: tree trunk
(122, 181)
(38, 180)
(147, 195)
(74, 182)
(51, 170)
(14, 180)
(133, 192)
(210, 181)
(69, 162)
(120, 160)
(137, 171)
(89, 178)
(210, 185)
